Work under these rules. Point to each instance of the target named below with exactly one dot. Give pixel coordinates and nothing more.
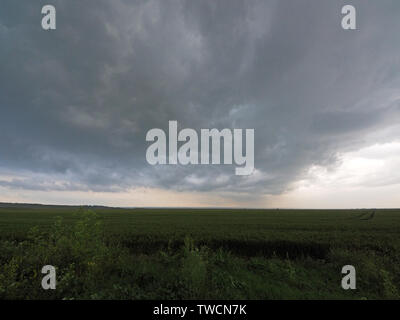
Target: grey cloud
(77, 102)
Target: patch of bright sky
(369, 177)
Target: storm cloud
(76, 103)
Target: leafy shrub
(194, 267)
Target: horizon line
(198, 208)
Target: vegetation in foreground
(105, 253)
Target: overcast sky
(76, 102)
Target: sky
(77, 102)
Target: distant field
(198, 253)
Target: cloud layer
(76, 103)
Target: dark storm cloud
(76, 103)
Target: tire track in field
(370, 217)
(367, 215)
(359, 216)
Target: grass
(109, 253)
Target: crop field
(114, 253)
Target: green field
(107, 253)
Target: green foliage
(389, 289)
(194, 268)
(198, 254)
(77, 250)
